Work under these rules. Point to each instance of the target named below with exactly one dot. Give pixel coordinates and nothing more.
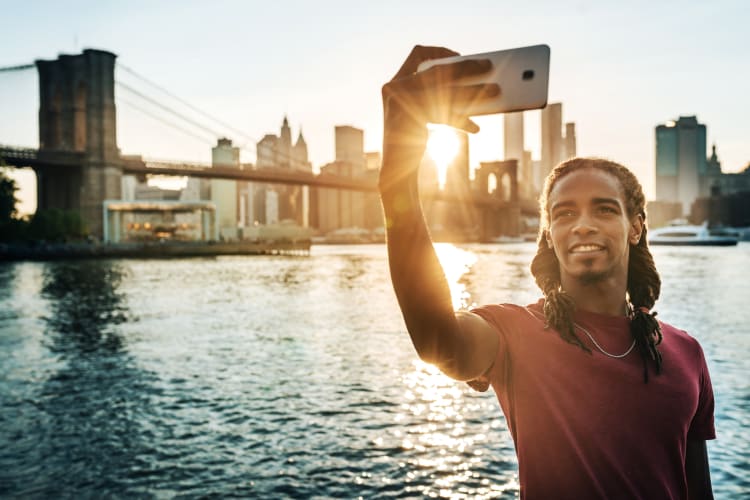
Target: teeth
(586, 248)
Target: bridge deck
(29, 157)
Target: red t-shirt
(586, 425)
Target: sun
(442, 146)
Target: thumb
(464, 123)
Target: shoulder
(505, 315)
(681, 342)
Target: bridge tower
(77, 116)
(502, 220)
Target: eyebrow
(606, 201)
(594, 201)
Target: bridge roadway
(135, 165)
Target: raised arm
(462, 345)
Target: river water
(293, 377)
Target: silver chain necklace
(591, 337)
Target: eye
(607, 209)
(563, 213)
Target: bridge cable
(292, 161)
(19, 67)
(168, 109)
(166, 122)
(186, 103)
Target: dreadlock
(643, 285)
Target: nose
(584, 225)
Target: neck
(603, 297)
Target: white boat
(679, 233)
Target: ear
(636, 229)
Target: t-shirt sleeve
(702, 426)
(493, 314)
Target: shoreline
(151, 250)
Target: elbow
(445, 360)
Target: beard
(587, 278)
(591, 277)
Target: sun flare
(442, 146)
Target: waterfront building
(513, 140)
(350, 146)
(339, 208)
(552, 141)
(728, 201)
(570, 141)
(556, 147)
(224, 191)
(278, 152)
(682, 173)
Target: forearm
(418, 279)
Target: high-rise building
(224, 191)
(277, 151)
(513, 131)
(552, 140)
(513, 135)
(570, 141)
(350, 145)
(339, 208)
(681, 166)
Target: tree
(8, 198)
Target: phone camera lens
(528, 74)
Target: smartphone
(522, 74)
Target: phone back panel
(522, 74)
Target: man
(602, 400)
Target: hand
(412, 99)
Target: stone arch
(492, 183)
(499, 179)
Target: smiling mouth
(586, 248)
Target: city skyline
(618, 70)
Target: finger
(458, 99)
(418, 55)
(442, 75)
(474, 94)
(440, 105)
(465, 124)
(456, 71)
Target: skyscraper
(340, 208)
(681, 161)
(224, 191)
(570, 141)
(552, 141)
(513, 135)
(350, 145)
(277, 151)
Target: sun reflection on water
(444, 426)
(456, 263)
(440, 443)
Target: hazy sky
(619, 68)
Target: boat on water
(680, 233)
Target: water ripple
(276, 377)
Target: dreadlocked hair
(643, 285)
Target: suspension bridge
(78, 164)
